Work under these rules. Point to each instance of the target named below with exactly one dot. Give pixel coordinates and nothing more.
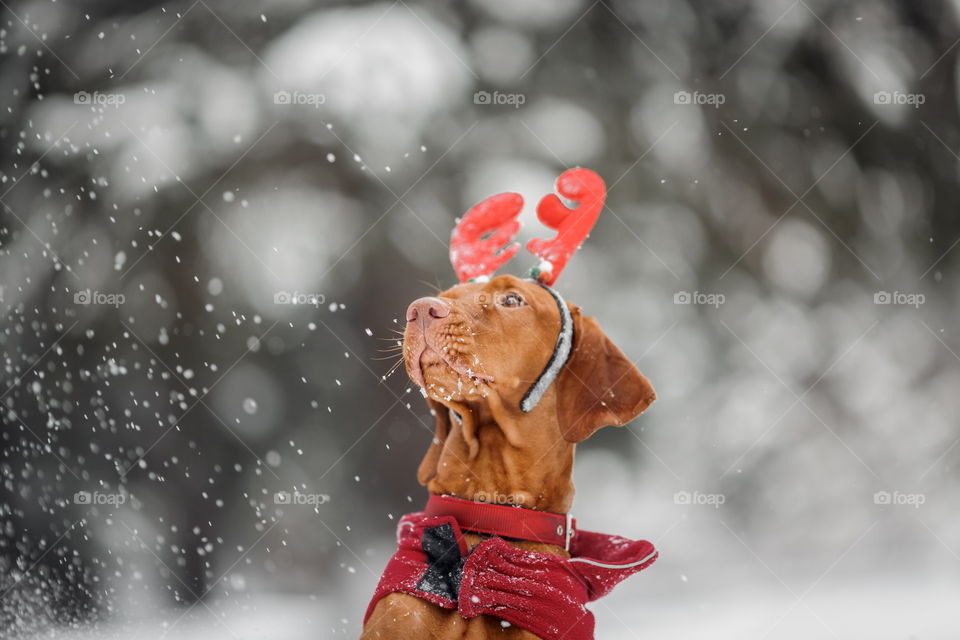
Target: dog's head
(487, 343)
(510, 351)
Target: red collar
(504, 520)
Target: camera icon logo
(882, 497)
(82, 297)
(82, 497)
(282, 297)
(682, 97)
(481, 97)
(282, 497)
(282, 97)
(882, 297)
(82, 97)
(682, 497)
(882, 97)
(682, 297)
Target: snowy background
(779, 256)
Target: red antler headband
(475, 256)
(478, 245)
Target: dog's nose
(429, 309)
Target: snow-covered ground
(854, 609)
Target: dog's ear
(598, 386)
(428, 467)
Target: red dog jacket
(540, 592)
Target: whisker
(393, 368)
(436, 287)
(398, 356)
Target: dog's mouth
(433, 365)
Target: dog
(515, 377)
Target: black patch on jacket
(444, 563)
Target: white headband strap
(559, 357)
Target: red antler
(572, 225)
(477, 243)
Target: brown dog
(475, 349)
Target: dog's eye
(511, 300)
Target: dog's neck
(503, 456)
